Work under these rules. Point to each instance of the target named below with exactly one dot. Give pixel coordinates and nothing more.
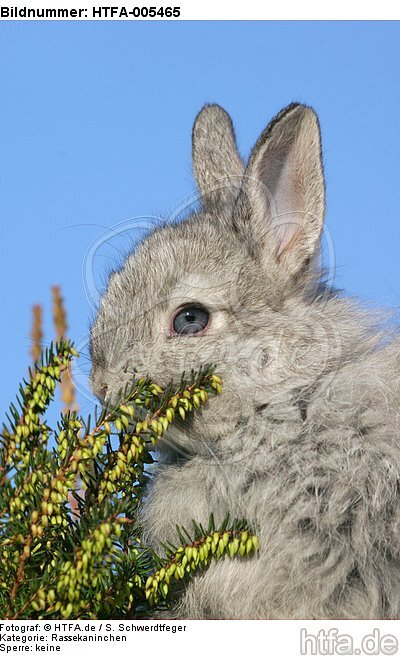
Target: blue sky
(95, 126)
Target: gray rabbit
(303, 443)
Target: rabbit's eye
(190, 320)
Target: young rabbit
(303, 443)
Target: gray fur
(303, 443)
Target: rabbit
(303, 443)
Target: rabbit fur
(303, 442)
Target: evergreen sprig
(195, 554)
(70, 544)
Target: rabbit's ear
(217, 166)
(283, 193)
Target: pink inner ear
(286, 202)
(286, 233)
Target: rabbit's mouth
(200, 436)
(181, 442)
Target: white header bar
(165, 10)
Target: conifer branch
(195, 555)
(84, 559)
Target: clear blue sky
(95, 123)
